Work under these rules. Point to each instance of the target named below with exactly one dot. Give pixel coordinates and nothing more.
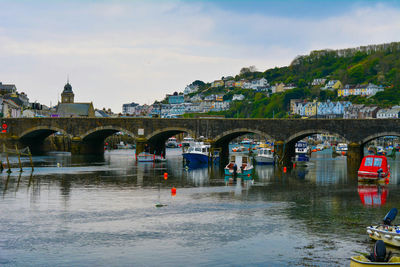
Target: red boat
(374, 167)
(372, 194)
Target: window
(368, 162)
(377, 162)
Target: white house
(190, 89)
(238, 97)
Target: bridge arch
(103, 132)
(377, 135)
(41, 132)
(302, 134)
(167, 132)
(228, 136)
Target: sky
(116, 52)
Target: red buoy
(284, 169)
(173, 191)
(165, 175)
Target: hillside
(378, 64)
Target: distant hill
(378, 64)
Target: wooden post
(19, 158)
(30, 157)
(8, 162)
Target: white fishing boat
(239, 165)
(390, 234)
(147, 157)
(341, 148)
(187, 141)
(301, 149)
(265, 156)
(171, 143)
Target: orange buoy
(284, 169)
(343, 153)
(173, 190)
(248, 175)
(165, 175)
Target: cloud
(118, 52)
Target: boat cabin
(374, 166)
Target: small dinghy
(390, 234)
(378, 257)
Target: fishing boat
(171, 143)
(200, 153)
(301, 149)
(380, 150)
(187, 141)
(148, 157)
(239, 165)
(374, 167)
(390, 234)
(342, 148)
(145, 157)
(378, 257)
(239, 149)
(264, 156)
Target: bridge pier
(283, 153)
(141, 145)
(86, 147)
(224, 153)
(355, 153)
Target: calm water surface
(100, 211)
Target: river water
(100, 211)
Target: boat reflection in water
(372, 194)
(264, 173)
(240, 183)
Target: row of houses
(341, 109)
(370, 112)
(318, 109)
(256, 84)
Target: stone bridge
(87, 134)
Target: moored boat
(341, 148)
(378, 257)
(264, 156)
(239, 165)
(200, 153)
(148, 157)
(374, 167)
(390, 234)
(171, 143)
(302, 150)
(145, 157)
(187, 141)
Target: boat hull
(264, 160)
(229, 172)
(387, 234)
(197, 158)
(358, 261)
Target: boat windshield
(198, 149)
(191, 149)
(377, 162)
(368, 162)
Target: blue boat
(301, 149)
(200, 154)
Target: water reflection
(102, 210)
(372, 194)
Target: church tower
(67, 96)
